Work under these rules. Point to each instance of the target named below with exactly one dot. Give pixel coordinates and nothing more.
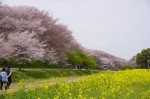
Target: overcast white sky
(119, 27)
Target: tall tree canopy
(33, 34)
(143, 58)
(81, 60)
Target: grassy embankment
(33, 74)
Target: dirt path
(38, 83)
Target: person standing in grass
(8, 71)
(4, 79)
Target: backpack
(0, 77)
(7, 71)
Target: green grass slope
(18, 75)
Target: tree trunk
(80, 67)
(20, 67)
(45, 64)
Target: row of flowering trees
(27, 34)
(106, 60)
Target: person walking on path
(4, 79)
(8, 71)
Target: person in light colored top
(4, 79)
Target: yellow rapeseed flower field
(127, 84)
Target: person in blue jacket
(4, 79)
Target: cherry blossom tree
(21, 46)
(50, 57)
(106, 60)
(18, 21)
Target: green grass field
(127, 84)
(34, 74)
